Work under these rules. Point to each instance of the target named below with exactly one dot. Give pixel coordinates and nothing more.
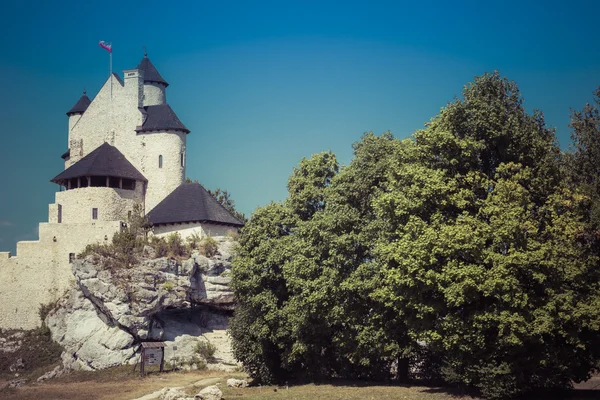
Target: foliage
(205, 349)
(208, 247)
(461, 252)
(138, 223)
(35, 347)
(582, 163)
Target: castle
(126, 147)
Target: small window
(94, 213)
(129, 184)
(160, 161)
(182, 159)
(71, 258)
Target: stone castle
(126, 149)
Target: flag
(106, 46)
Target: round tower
(154, 84)
(77, 110)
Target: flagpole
(110, 72)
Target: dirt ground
(124, 383)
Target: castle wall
(41, 272)
(162, 181)
(112, 204)
(194, 228)
(112, 113)
(154, 94)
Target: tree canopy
(462, 253)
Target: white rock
(210, 393)
(237, 383)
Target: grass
(125, 383)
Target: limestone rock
(55, 373)
(172, 394)
(17, 383)
(237, 383)
(17, 365)
(108, 312)
(210, 393)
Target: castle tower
(75, 114)
(154, 84)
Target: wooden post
(162, 361)
(143, 362)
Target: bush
(208, 247)
(205, 349)
(175, 245)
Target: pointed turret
(154, 84)
(81, 105)
(150, 72)
(77, 110)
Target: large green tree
(482, 251)
(463, 251)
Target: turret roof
(150, 72)
(106, 160)
(191, 202)
(81, 105)
(160, 118)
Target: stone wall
(112, 204)
(162, 181)
(154, 94)
(41, 271)
(195, 228)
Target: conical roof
(150, 72)
(190, 202)
(81, 105)
(106, 160)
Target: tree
(481, 248)
(582, 162)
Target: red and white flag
(106, 46)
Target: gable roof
(105, 160)
(191, 202)
(160, 118)
(81, 105)
(150, 72)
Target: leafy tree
(461, 251)
(582, 163)
(481, 248)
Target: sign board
(153, 356)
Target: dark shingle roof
(160, 118)
(66, 154)
(106, 160)
(150, 72)
(190, 202)
(81, 105)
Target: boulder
(237, 383)
(210, 393)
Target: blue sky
(263, 84)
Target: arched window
(160, 161)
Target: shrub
(159, 245)
(205, 349)
(208, 247)
(175, 245)
(168, 286)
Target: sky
(262, 84)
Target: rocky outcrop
(102, 320)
